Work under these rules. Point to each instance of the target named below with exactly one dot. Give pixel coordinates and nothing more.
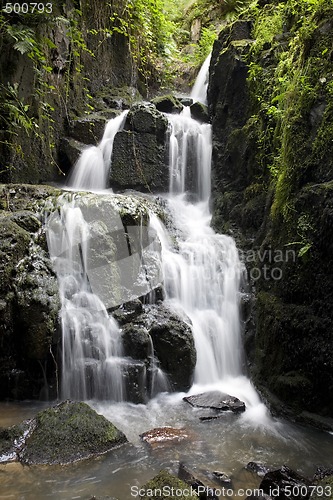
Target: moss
(69, 432)
(166, 485)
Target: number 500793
(28, 8)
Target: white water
(199, 91)
(92, 169)
(91, 345)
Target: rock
(139, 158)
(286, 483)
(168, 104)
(136, 383)
(169, 485)
(216, 401)
(69, 152)
(186, 101)
(199, 112)
(67, 433)
(257, 468)
(161, 436)
(139, 163)
(128, 311)
(198, 482)
(88, 129)
(146, 119)
(221, 477)
(137, 342)
(322, 472)
(169, 335)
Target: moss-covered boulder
(168, 104)
(67, 433)
(170, 486)
(199, 112)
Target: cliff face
(54, 68)
(271, 100)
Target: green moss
(173, 488)
(69, 432)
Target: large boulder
(63, 434)
(139, 158)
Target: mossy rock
(169, 485)
(168, 104)
(69, 432)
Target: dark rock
(88, 129)
(137, 342)
(69, 152)
(322, 472)
(217, 401)
(198, 482)
(128, 311)
(135, 378)
(161, 436)
(169, 335)
(67, 433)
(139, 163)
(221, 477)
(257, 468)
(186, 101)
(285, 483)
(199, 112)
(168, 104)
(146, 119)
(166, 483)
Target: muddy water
(226, 444)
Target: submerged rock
(198, 481)
(257, 468)
(285, 484)
(216, 400)
(68, 432)
(161, 436)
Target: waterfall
(93, 166)
(91, 342)
(202, 277)
(199, 91)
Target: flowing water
(202, 276)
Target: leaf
(304, 249)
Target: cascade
(201, 277)
(92, 168)
(199, 91)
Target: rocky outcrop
(156, 331)
(63, 434)
(139, 158)
(29, 294)
(272, 191)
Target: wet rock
(199, 112)
(69, 152)
(139, 159)
(88, 129)
(221, 477)
(136, 342)
(12, 440)
(128, 312)
(69, 432)
(322, 472)
(198, 481)
(172, 335)
(216, 401)
(285, 483)
(167, 483)
(257, 468)
(186, 101)
(168, 104)
(135, 378)
(161, 436)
